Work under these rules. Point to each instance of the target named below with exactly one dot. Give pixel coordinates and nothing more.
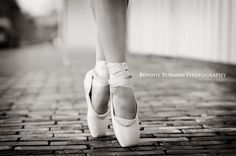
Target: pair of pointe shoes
(126, 130)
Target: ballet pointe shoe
(126, 130)
(97, 123)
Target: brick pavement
(43, 109)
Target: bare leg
(100, 94)
(110, 17)
(99, 50)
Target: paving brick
(105, 138)
(74, 152)
(201, 151)
(183, 135)
(163, 139)
(7, 133)
(214, 138)
(147, 148)
(32, 143)
(208, 142)
(225, 146)
(155, 130)
(209, 130)
(39, 148)
(41, 138)
(2, 148)
(43, 108)
(78, 123)
(191, 147)
(9, 138)
(94, 153)
(69, 135)
(69, 142)
(103, 144)
(8, 143)
(66, 131)
(32, 152)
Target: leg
(100, 94)
(97, 95)
(99, 50)
(110, 17)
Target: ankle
(119, 75)
(101, 69)
(101, 74)
(118, 69)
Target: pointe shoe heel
(97, 123)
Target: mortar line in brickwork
(165, 151)
(202, 126)
(13, 148)
(181, 130)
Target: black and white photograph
(118, 77)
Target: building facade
(199, 29)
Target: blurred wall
(79, 27)
(200, 29)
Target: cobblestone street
(43, 109)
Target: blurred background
(198, 29)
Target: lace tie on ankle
(120, 78)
